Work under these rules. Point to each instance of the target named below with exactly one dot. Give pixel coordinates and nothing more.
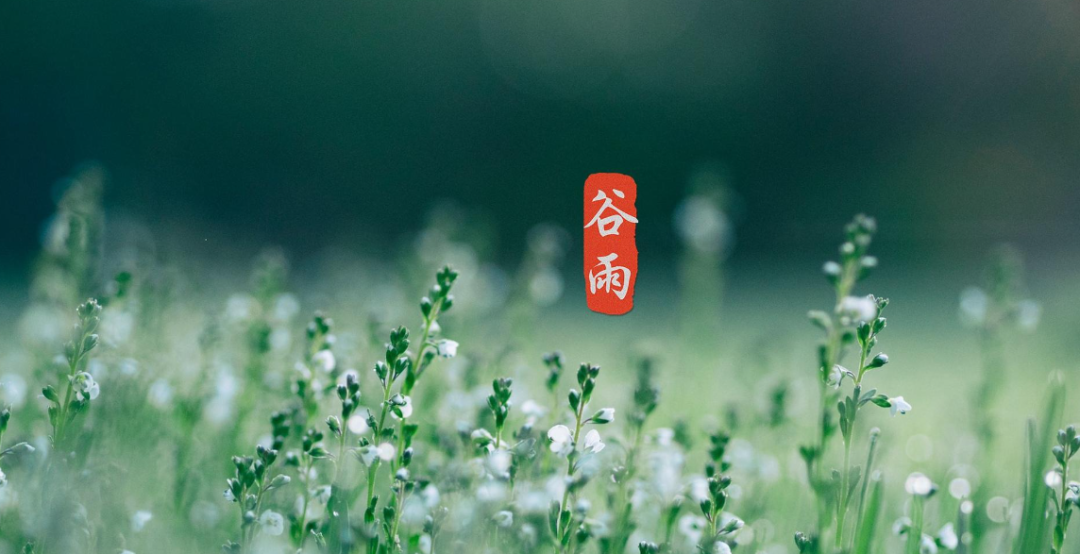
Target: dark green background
(956, 123)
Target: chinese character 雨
(609, 277)
(609, 225)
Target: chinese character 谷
(609, 277)
(609, 225)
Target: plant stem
(569, 472)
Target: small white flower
(973, 306)
(430, 496)
(434, 329)
(286, 307)
(324, 360)
(229, 495)
(918, 484)
(721, 547)
(692, 527)
(504, 518)
(947, 537)
(901, 526)
(406, 409)
(498, 463)
(562, 441)
(272, 523)
(368, 454)
(160, 394)
(446, 348)
(482, 435)
(357, 424)
(836, 376)
(85, 386)
(1052, 479)
(3, 479)
(593, 444)
(859, 308)
(897, 405)
(533, 411)
(927, 545)
(1028, 314)
(604, 416)
(139, 520)
(386, 451)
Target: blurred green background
(957, 124)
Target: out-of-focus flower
(947, 537)
(272, 523)
(1028, 313)
(918, 484)
(973, 306)
(927, 545)
(386, 451)
(859, 308)
(357, 424)
(503, 518)
(139, 520)
(533, 411)
(324, 360)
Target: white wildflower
(918, 484)
(1028, 313)
(160, 394)
(324, 360)
(386, 451)
(85, 387)
(859, 308)
(947, 537)
(498, 463)
(692, 527)
(604, 416)
(13, 390)
(272, 523)
(446, 348)
(406, 409)
(504, 518)
(357, 424)
(973, 306)
(927, 545)
(533, 411)
(139, 520)
(897, 405)
(562, 441)
(593, 444)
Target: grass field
(170, 404)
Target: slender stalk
(578, 414)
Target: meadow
(438, 402)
